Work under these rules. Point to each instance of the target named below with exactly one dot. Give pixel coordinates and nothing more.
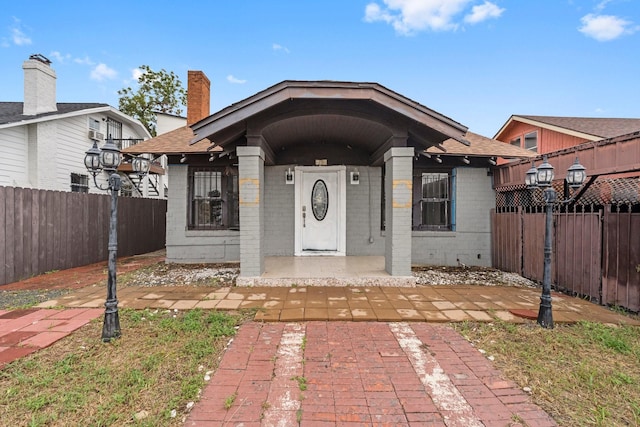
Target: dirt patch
(162, 274)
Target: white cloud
(483, 12)
(18, 37)
(59, 57)
(600, 7)
(84, 61)
(136, 73)
(232, 79)
(605, 27)
(276, 47)
(410, 16)
(103, 72)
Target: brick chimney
(39, 86)
(198, 96)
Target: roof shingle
(597, 126)
(11, 112)
(172, 142)
(481, 146)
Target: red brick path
(359, 374)
(24, 331)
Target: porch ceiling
(321, 128)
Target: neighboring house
(546, 134)
(309, 168)
(43, 142)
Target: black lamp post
(108, 159)
(543, 177)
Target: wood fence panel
(44, 230)
(577, 254)
(4, 249)
(506, 241)
(621, 281)
(18, 240)
(9, 228)
(50, 220)
(34, 257)
(533, 245)
(25, 234)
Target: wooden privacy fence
(44, 230)
(596, 255)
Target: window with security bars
(435, 202)
(213, 199)
(114, 130)
(79, 183)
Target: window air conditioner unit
(95, 135)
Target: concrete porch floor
(326, 271)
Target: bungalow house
(324, 169)
(43, 142)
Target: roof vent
(41, 58)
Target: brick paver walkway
(354, 303)
(359, 374)
(24, 331)
(324, 356)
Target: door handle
(304, 216)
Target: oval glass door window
(319, 200)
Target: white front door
(320, 210)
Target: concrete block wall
(364, 236)
(471, 241)
(279, 227)
(194, 246)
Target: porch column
(398, 189)
(251, 201)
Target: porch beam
(396, 140)
(259, 141)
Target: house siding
(44, 154)
(548, 140)
(194, 246)
(14, 158)
(471, 242)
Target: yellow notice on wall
(402, 190)
(249, 192)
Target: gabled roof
(590, 128)
(11, 112)
(174, 142)
(481, 146)
(372, 97)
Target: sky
(475, 61)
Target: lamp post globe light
(108, 159)
(542, 177)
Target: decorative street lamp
(543, 177)
(108, 159)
